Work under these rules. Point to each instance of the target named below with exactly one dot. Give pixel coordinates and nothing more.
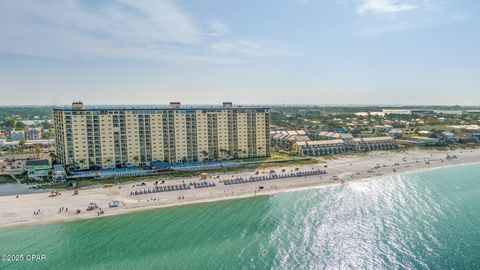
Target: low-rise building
(425, 133)
(473, 113)
(422, 141)
(449, 136)
(419, 112)
(396, 133)
(33, 134)
(37, 169)
(58, 173)
(320, 148)
(397, 111)
(325, 135)
(284, 139)
(17, 135)
(343, 144)
(468, 137)
(29, 143)
(2, 141)
(382, 128)
(374, 144)
(423, 112)
(468, 128)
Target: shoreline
(18, 212)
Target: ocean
(424, 220)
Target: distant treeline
(45, 112)
(27, 112)
(353, 109)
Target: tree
(91, 162)
(136, 158)
(82, 161)
(74, 164)
(213, 154)
(53, 156)
(38, 151)
(224, 152)
(204, 154)
(47, 135)
(46, 125)
(19, 125)
(9, 123)
(69, 167)
(21, 145)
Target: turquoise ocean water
(426, 220)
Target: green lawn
(4, 179)
(275, 155)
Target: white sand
(17, 211)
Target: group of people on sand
(180, 197)
(36, 213)
(61, 209)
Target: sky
(243, 51)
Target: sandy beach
(40, 208)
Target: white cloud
(135, 29)
(458, 16)
(246, 48)
(385, 6)
(68, 28)
(218, 28)
(424, 14)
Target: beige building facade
(88, 138)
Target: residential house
(37, 169)
(396, 133)
(17, 135)
(382, 128)
(33, 134)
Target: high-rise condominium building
(104, 137)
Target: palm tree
(109, 161)
(214, 154)
(135, 158)
(82, 161)
(69, 167)
(75, 164)
(204, 154)
(91, 162)
(223, 151)
(38, 151)
(53, 156)
(21, 145)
